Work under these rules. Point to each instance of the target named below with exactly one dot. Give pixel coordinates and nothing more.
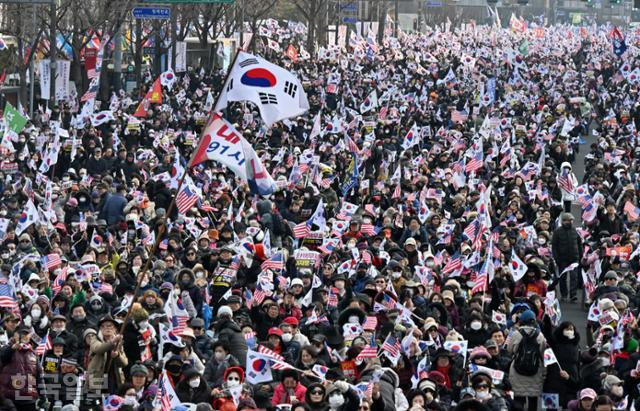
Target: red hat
(239, 370)
(292, 321)
(275, 331)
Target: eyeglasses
(480, 386)
(317, 392)
(168, 260)
(191, 253)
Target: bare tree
(255, 11)
(315, 12)
(18, 22)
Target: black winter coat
(566, 245)
(194, 395)
(230, 333)
(567, 352)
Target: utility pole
(174, 35)
(32, 65)
(53, 49)
(117, 60)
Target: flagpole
(163, 226)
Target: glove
(342, 386)
(27, 321)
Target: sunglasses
(475, 387)
(168, 260)
(191, 253)
(317, 392)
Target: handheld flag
(277, 92)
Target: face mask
(233, 383)
(617, 391)
(135, 269)
(482, 395)
(430, 263)
(605, 362)
(336, 401)
(569, 334)
(354, 319)
(143, 283)
(195, 383)
(5, 256)
(36, 313)
(57, 329)
(396, 275)
(286, 337)
(143, 324)
(219, 356)
(78, 318)
(476, 325)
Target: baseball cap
(588, 393)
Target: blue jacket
(112, 211)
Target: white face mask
(396, 275)
(143, 324)
(354, 319)
(476, 325)
(57, 329)
(286, 337)
(219, 356)
(336, 401)
(482, 395)
(36, 313)
(233, 383)
(618, 391)
(570, 334)
(195, 383)
(605, 362)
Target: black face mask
(173, 369)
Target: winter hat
(605, 304)
(479, 352)
(225, 310)
(527, 317)
(138, 313)
(609, 381)
(632, 346)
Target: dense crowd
(416, 254)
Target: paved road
(575, 312)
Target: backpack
(527, 359)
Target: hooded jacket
(230, 333)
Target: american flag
(472, 230)
(454, 264)
(302, 230)
(370, 322)
(397, 192)
(632, 211)
(367, 352)
(277, 361)
(8, 297)
(44, 345)
(179, 317)
(186, 199)
(475, 163)
(103, 288)
(333, 297)
(565, 182)
(368, 229)
(59, 281)
(258, 295)
(366, 257)
(391, 346)
(51, 261)
(351, 145)
(276, 262)
(249, 335)
(92, 92)
(459, 116)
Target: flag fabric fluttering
(276, 91)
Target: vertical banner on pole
(45, 78)
(62, 79)
(181, 56)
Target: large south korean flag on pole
(277, 92)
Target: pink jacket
(280, 395)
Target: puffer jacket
(230, 333)
(18, 377)
(524, 385)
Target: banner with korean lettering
(45, 78)
(63, 68)
(181, 56)
(221, 142)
